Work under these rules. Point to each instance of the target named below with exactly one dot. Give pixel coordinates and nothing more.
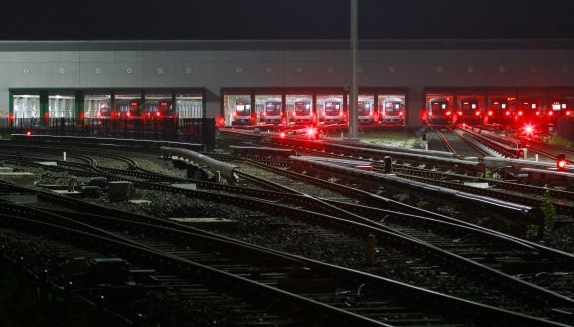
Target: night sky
(284, 19)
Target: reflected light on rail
(561, 162)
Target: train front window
(243, 109)
(557, 106)
(363, 108)
(332, 109)
(438, 106)
(467, 106)
(273, 108)
(391, 108)
(302, 108)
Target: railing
(195, 130)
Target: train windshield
(392, 108)
(363, 108)
(468, 106)
(556, 106)
(332, 108)
(273, 108)
(302, 108)
(104, 110)
(530, 106)
(499, 105)
(438, 106)
(163, 108)
(242, 109)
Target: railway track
(415, 260)
(321, 292)
(450, 177)
(377, 214)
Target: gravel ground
(262, 229)
(165, 205)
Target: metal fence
(193, 130)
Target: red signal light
(521, 154)
(311, 132)
(529, 129)
(561, 162)
(220, 121)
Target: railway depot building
(94, 80)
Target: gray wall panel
(213, 65)
(4, 99)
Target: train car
(499, 111)
(104, 110)
(242, 112)
(439, 111)
(392, 111)
(332, 111)
(468, 112)
(127, 109)
(158, 109)
(366, 113)
(528, 111)
(272, 111)
(303, 111)
(566, 110)
(558, 108)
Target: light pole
(353, 97)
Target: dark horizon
(285, 19)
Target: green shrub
(548, 211)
